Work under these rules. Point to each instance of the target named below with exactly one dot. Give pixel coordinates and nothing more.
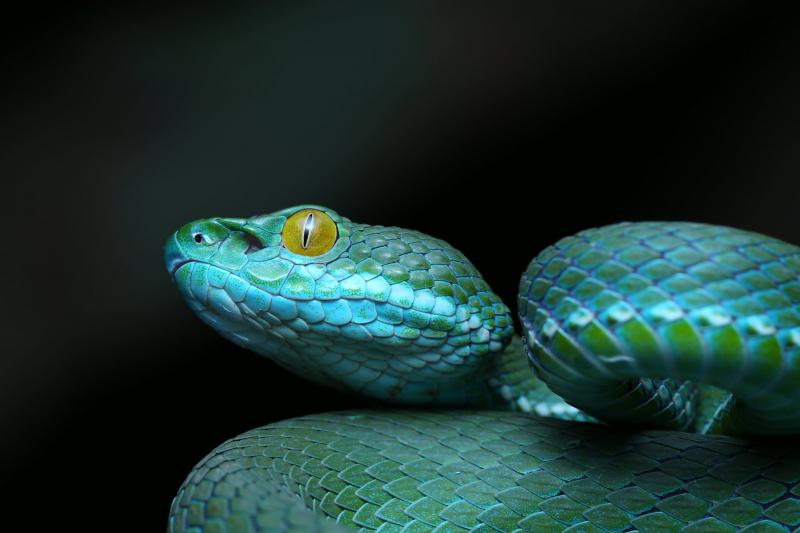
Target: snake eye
(309, 232)
(202, 238)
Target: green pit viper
(675, 347)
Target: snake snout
(174, 256)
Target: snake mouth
(176, 264)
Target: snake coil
(664, 354)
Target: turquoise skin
(387, 312)
(621, 321)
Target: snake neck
(511, 386)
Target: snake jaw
(176, 264)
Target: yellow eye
(309, 232)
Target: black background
(498, 127)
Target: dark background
(498, 127)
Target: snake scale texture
(665, 392)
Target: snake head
(384, 311)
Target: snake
(654, 384)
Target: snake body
(665, 394)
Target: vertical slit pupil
(307, 227)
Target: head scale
(384, 311)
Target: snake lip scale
(662, 355)
(175, 265)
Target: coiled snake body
(620, 321)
